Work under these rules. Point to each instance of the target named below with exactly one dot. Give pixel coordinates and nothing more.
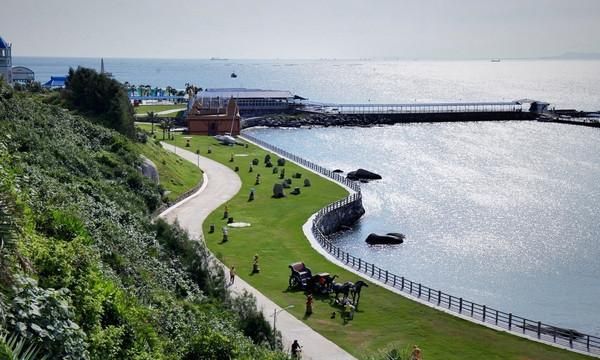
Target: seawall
(344, 215)
(319, 119)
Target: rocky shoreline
(365, 120)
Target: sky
(301, 29)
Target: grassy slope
(383, 318)
(176, 174)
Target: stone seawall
(311, 119)
(345, 215)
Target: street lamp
(275, 312)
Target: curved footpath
(220, 185)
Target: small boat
(495, 60)
(233, 75)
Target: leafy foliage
(45, 316)
(16, 348)
(92, 276)
(94, 93)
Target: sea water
(504, 214)
(565, 84)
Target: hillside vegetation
(85, 273)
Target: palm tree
(166, 124)
(152, 118)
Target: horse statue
(355, 291)
(329, 281)
(341, 288)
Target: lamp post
(275, 312)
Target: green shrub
(45, 316)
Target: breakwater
(479, 313)
(319, 119)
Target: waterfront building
(22, 74)
(248, 100)
(5, 61)
(211, 118)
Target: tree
(101, 96)
(152, 118)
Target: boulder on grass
(278, 191)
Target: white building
(16, 74)
(5, 61)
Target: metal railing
(481, 313)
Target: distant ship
(217, 58)
(495, 60)
(233, 75)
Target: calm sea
(566, 84)
(504, 214)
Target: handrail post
(419, 290)
(472, 308)
(428, 294)
(539, 329)
(571, 338)
(509, 321)
(484, 308)
(524, 326)
(402, 286)
(386, 276)
(496, 317)
(439, 297)
(460, 306)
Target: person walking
(296, 349)
(231, 275)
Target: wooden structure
(204, 119)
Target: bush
(45, 315)
(99, 95)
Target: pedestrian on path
(309, 303)
(231, 275)
(296, 349)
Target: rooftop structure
(55, 82)
(247, 99)
(22, 74)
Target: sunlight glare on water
(501, 213)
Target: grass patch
(176, 174)
(383, 319)
(143, 109)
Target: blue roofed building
(5, 61)
(55, 82)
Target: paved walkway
(220, 185)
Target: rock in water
(363, 174)
(390, 238)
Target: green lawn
(383, 318)
(143, 109)
(176, 174)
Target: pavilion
(206, 119)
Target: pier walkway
(412, 108)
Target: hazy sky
(301, 28)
